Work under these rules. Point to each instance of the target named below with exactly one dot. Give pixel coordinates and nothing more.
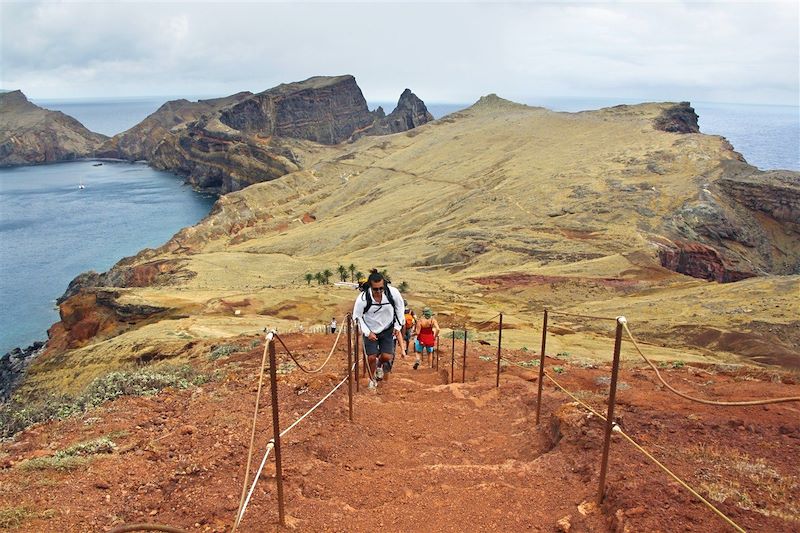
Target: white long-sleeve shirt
(380, 315)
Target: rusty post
(464, 361)
(350, 366)
(499, 345)
(453, 359)
(541, 368)
(436, 351)
(364, 366)
(276, 429)
(357, 352)
(612, 399)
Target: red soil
(421, 455)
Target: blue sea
(50, 231)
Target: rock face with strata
(744, 224)
(139, 142)
(679, 118)
(227, 144)
(326, 110)
(30, 134)
(94, 313)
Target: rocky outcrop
(94, 313)
(699, 261)
(744, 224)
(139, 142)
(679, 118)
(227, 144)
(153, 273)
(409, 114)
(213, 157)
(12, 368)
(326, 110)
(30, 134)
(776, 194)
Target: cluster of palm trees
(324, 277)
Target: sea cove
(51, 231)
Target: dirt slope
(421, 455)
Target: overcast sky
(443, 51)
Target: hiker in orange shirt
(409, 327)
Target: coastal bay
(51, 231)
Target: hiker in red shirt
(427, 331)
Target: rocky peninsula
(30, 134)
(229, 143)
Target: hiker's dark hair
(375, 276)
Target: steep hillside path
(425, 456)
(420, 455)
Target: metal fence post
(276, 429)
(499, 345)
(612, 398)
(453, 360)
(541, 368)
(357, 352)
(350, 366)
(464, 361)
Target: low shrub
(224, 350)
(73, 457)
(16, 415)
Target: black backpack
(368, 297)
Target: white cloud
(445, 51)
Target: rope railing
(647, 454)
(269, 344)
(299, 365)
(608, 419)
(479, 324)
(701, 400)
(271, 446)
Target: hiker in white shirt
(379, 311)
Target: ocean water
(51, 231)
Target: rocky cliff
(140, 141)
(229, 143)
(30, 134)
(744, 224)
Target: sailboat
(81, 185)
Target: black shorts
(384, 343)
